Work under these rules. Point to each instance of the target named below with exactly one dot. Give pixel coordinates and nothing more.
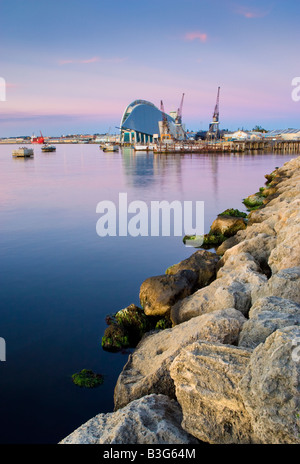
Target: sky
(73, 66)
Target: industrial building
(142, 122)
(243, 135)
(285, 134)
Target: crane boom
(216, 112)
(213, 131)
(179, 111)
(165, 124)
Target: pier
(285, 146)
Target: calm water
(59, 279)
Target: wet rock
(159, 293)
(154, 419)
(135, 322)
(126, 328)
(147, 369)
(213, 240)
(115, 338)
(265, 317)
(253, 201)
(270, 388)
(202, 262)
(206, 376)
(227, 225)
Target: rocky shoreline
(227, 369)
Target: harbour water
(59, 279)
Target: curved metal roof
(142, 116)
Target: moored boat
(37, 139)
(109, 147)
(23, 152)
(48, 148)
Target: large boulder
(236, 280)
(286, 252)
(154, 419)
(270, 388)
(126, 328)
(265, 317)
(206, 376)
(147, 369)
(285, 284)
(220, 294)
(258, 246)
(227, 225)
(202, 262)
(159, 293)
(229, 243)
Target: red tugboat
(37, 139)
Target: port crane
(165, 130)
(179, 112)
(214, 131)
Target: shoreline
(232, 351)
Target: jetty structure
(227, 368)
(23, 152)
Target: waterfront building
(243, 135)
(284, 134)
(142, 122)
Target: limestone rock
(270, 388)
(265, 317)
(286, 253)
(227, 225)
(240, 265)
(220, 294)
(159, 293)
(233, 288)
(259, 247)
(147, 369)
(206, 376)
(285, 284)
(202, 262)
(229, 243)
(154, 419)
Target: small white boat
(23, 152)
(109, 147)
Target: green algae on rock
(127, 327)
(164, 323)
(115, 338)
(233, 213)
(87, 378)
(210, 240)
(254, 201)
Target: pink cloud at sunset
(201, 36)
(251, 13)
